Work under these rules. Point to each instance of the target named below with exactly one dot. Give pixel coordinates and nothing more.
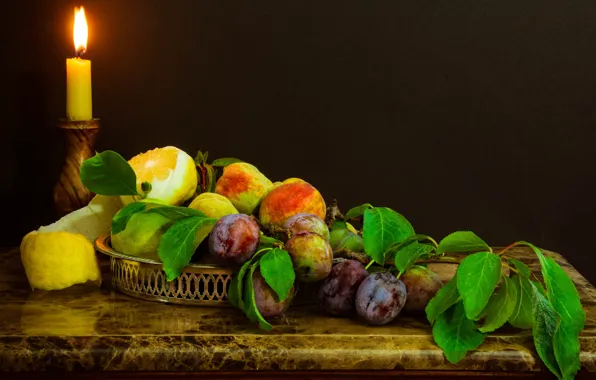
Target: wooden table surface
(98, 332)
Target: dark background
(459, 114)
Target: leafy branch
(482, 297)
(488, 290)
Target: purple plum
(380, 298)
(267, 301)
(234, 239)
(338, 292)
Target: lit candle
(78, 74)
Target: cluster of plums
(235, 238)
(348, 289)
(376, 298)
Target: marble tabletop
(86, 328)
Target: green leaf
(107, 173)
(522, 312)
(544, 320)
(564, 298)
(500, 306)
(455, 334)
(240, 282)
(522, 268)
(223, 162)
(123, 216)
(357, 211)
(180, 241)
(561, 292)
(407, 256)
(210, 185)
(477, 277)
(381, 228)
(250, 303)
(234, 294)
(240, 276)
(278, 271)
(462, 241)
(200, 158)
(539, 286)
(175, 212)
(567, 350)
(446, 297)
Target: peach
(289, 199)
(244, 185)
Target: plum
(422, 285)
(341, 238)
(380, 298)
(337, 294)
(234, 239)
(304, 222)
(267, 301)
(311, 255)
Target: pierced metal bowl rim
(103, 245)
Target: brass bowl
(198, 284)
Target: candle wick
(79, 52)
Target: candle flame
(80, 31)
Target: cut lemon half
(170, 171)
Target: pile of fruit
(369, 263)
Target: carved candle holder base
(69, 192)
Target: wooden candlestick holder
(69, 192)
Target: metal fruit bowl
(199, 284)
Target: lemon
(213, 205)
(57, 260)
(171, 172)
(91, 221)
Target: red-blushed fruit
(307, 223)
(338, 292)
(244, 185)
(234, 239)
(311, 255)
(380, 298)
(288, 199)
(422, 285)
(267, 301)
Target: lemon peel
(91, 221)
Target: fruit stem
(509, 267)
(203, 179)
(270, 241)
(426, 237)
(332, 213)
(444, 260)
(507, 248)
(369, 264)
